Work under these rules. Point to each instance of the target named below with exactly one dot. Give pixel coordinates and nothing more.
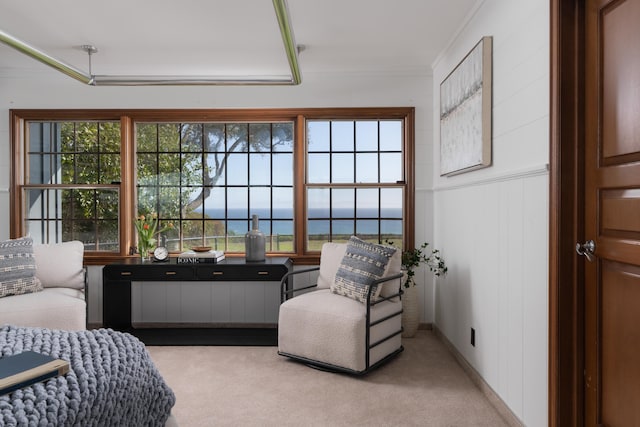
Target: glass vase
(254, 242)
(145, 251)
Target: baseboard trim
(426, 326)
(505, 412)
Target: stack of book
(193, 257)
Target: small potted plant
(411, 259)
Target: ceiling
(231, 37)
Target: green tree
(88, 153)
(178, 165)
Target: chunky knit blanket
(112, 381)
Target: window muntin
(70, 192)
(210, 178)
(355, 181)
(73, 152)
(59, 215)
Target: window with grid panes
(210, 178)
(71, 188)
(355, 181)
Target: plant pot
(410, 312)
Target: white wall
(492, 224)
(49, 89)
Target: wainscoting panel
(494, 238)
(492, 224)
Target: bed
(112, 381)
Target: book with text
(28, 367)
(192, 257)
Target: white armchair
(60, 303)
(322, 327)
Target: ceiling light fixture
(284, 24)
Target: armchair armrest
(388, 297)
(285, 293)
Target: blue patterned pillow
(362, 263)
(18, 268)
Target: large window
(210, 178)
(69, 193)
(355, 180)
(311, 176)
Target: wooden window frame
(127, 118)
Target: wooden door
(612, 213)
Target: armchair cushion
(392, 287)
(18, 267)
(60, 264)
(330, 259)
(362, 263)
(55, 308)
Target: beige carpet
(253, 386)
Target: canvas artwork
(465, 113)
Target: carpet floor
(254, 386)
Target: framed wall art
(465, 113)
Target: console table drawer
(247, 272)
(122, 272)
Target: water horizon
(238, 221)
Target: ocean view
(282, 222)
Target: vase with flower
(148, 226)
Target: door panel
(619, 213)
(612, 212)
(620, 368)
(620, 85)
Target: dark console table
(117, 298)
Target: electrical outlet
(473, 337)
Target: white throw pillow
(59, 265)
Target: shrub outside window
(69, 193)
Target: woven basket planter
(410, 312)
